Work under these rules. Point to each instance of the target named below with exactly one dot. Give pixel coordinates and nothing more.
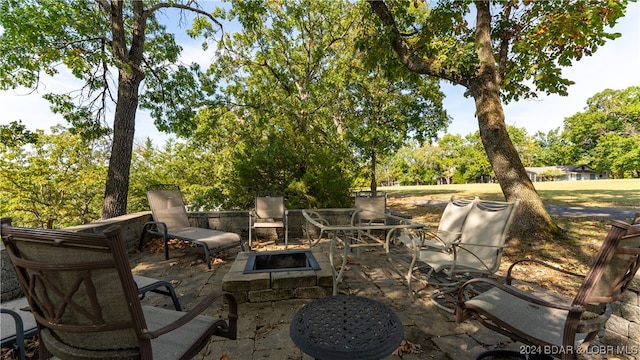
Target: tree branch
(159, 6)
(406, 55)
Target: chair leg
(19, 332)
(156, 288)
(444, 292)
(207, 255)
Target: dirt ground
(584, 235)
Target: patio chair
(86, 303)
(477, 249)
(23, 325)
(269, 213)
(558, 326)
(170, 221)
(370, 209)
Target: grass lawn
(623, 193)
(574, 253)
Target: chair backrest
(79, 287)
(167, 206)
(370, 208)
(454, 214)
(614, 266)
(270, 206)
(486, 226)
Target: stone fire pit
(279, 275)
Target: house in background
(564, 173)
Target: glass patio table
(350, 235)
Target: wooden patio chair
(269, 213)
(86, 303)
(170, 221)
(557, 326)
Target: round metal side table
(346, 327)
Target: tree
(605, 133)
(387, 108)
(552, 149)
(300, 105)
(98, 41)
(509, 48)
(55, 181)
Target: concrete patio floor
(263, 328)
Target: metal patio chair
(562, 327)
(170, 221)
(449, 230)
(86, 303)
(370, 209)
(476, 249)
(269, 213)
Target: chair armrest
(435, 241)
(202, 219)
(510, 276)
(160, 227)
(197, 310)
(515, 292)
(316, 216)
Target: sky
(616, 66)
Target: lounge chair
(86, 303)
(269, 213)
(170, 221)
(554, 325)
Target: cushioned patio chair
(23, 325)
(558, 326)
(86, 303)
(476, 249)
(269, 213)
(170, 221)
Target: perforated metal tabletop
(346, 327)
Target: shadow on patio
(263, 332)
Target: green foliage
(56, 181)
(15, 134)
(303, 107)
(606, 133)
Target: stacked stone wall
(622, 331)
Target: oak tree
(111, 47)
(500, 51)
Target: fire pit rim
(312, 263)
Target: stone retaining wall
(622, 331)
(132, 224)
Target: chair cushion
(519, 314)
(213, 238)
(268, 224)
(175, 343)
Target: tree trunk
(533, 220)
(117, 186)
(374, 182)
(130, 75)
